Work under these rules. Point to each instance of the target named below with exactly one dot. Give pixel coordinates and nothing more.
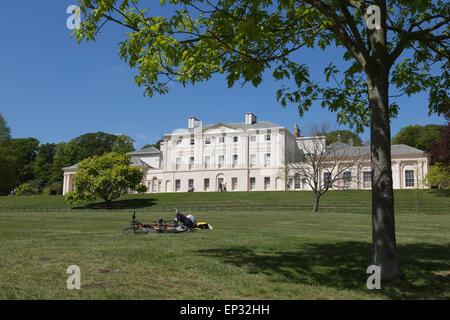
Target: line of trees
(31, 167)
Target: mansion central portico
(249, 156)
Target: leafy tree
(439, 149)
(45, 170)
(5, 131)
(156, 145)
(106, 177)
(8, 170)
(25, 152)
(401, 43)
(123, 144)
(438, 175)
(345, 137)
(418, 136)
(92, 144)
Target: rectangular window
(290, 183)
(207, 162)
(268, 135)
(252, 183)
(191, 162)
(297, 182)
(191, 183)
(178, 163)
(206, 184)
(208, 141)
(305, 183)
(234, 182)
(267, 159)
(347, 179)
(180, 140)
(235, 160)
(252, 138)
(192, 141)
(409, 178)
(221, 139)
(327, 179)
(221, 161)
(235, 139)
(367, 179)
(177, 185)
(266, 183)
(253, 160)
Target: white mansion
(251, 156)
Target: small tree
(323, 167)
(106, 177)
(438, 175)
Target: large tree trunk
(384, 249)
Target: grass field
(265, 245)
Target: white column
(65, 185)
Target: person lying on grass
(189, 220)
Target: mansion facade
(253, 156)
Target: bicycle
(159, 226)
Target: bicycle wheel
(132, 230)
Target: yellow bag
(202, 225)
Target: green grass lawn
(257, 250)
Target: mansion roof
(344, 149)
(236, 125)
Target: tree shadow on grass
(119, 204)
(343, 265)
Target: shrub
(53, 190)
(26, 189)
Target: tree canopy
(156, 145)
(417, 136)
(439, 149)
(46, 170)
(92, 144)
(346, 135)
(245, 38)
(8, 172)
(25, 152)
(5, 131)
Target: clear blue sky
(54, 89)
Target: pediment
(221, 128)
